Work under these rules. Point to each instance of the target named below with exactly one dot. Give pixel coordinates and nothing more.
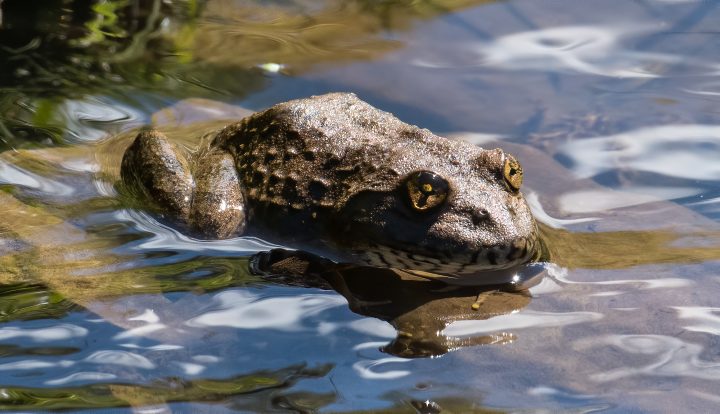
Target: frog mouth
(485, 259)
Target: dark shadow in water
(55, 50)
(419, 309)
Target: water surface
(612, 109)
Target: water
(612, 109)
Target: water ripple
(33, 364)
(519, 320)
(372, 326)
(244, 310)
(683, 151)
(88, 119)
(164, 238)
(599, 200)
(54, 333)
(583, 49)
(82, 377)
(657, 283)
(705, 318)
(123, 358)
(14, 175)
(365, 369)
(593, 50)
(671, 357)
(544, 217)
(188, 368)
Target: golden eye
(512, 172)
(427, 190)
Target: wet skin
(336, 177)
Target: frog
(336, 177)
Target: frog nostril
(479, 216)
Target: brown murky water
(612, 109)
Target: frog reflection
(418, 308)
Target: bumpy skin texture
(205, 199)
(160, 172)
(329, 174)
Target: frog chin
(495, 259)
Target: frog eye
(512, 172)
(427, 190)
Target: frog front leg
(206, 200)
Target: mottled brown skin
(337, 177)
